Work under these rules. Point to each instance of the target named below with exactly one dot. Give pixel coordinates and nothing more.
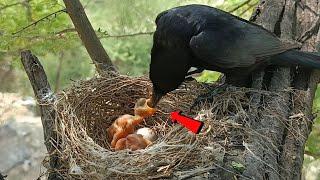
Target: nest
(88, 108)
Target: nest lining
(88, 108)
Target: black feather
(208, 38)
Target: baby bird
(121, 144)
(132, 142)
(122, 127)
(142, 109)
(125, 124)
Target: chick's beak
(155, 98)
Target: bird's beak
(155, 98)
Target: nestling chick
(121, 144)
(132, 142)
(122, 127)
(125, 124)
(142, 109)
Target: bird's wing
(236, 47)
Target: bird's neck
(137, 120)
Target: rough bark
(88, 36)
(291, 159)
(45, 98)
(276, 151)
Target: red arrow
(191, 124)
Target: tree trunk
(45, 98)
(276, 150)
(88, 36)
(26, 4)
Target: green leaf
(237, 166)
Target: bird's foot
(208, 97)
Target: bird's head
(143, 109)
(155, 97)
(168, 69)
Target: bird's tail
(296, 57)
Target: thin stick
(9, 5)
(128, 35)
(36, 22)
(105, 35)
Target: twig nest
(88, 108)
(147, 133)
(75, 169)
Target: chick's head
(142, 109)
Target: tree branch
(9, 5)
(42, 19)
(88, 36)
(127, 35)
(45, 98)
(106, 35)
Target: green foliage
(41, 38)
(313, 143)
(208, 76)
(237, 166)
(130, 56)
(316, 102)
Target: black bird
(208, 38)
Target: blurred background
(125, 28)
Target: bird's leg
(208, 97)
(197, 70)
(238, 78)
(189, 76)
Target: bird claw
(207, 97)
(202, 99)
